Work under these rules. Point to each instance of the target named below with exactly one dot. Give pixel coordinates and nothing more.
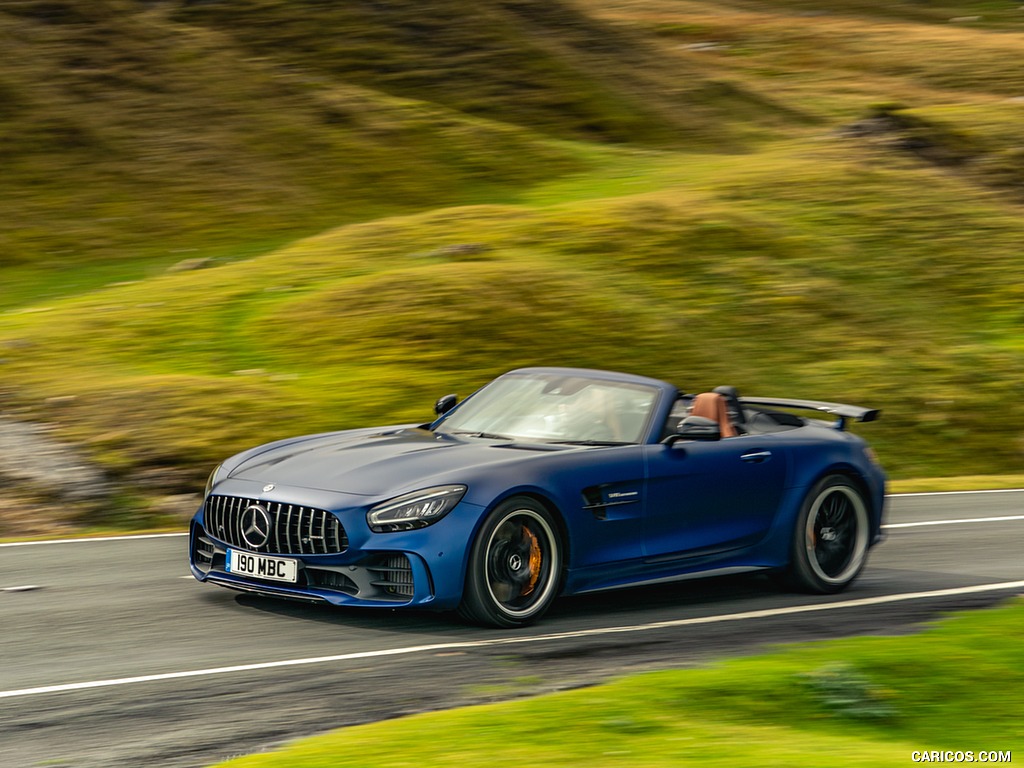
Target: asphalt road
(112, 655)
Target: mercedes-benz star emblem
(255, 524)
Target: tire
(515, 566)
(830, 538)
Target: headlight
(415, 510)
(214, 478)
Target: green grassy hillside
(398, 201)
(130, 130)
(127, 136)
(550, 66)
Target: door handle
(759, 457)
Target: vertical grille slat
(217, 519)
(309, 535)
(211, 514)
(236, 518)
(295, 530)
(337, 532)
(275, 510)
(305, 524)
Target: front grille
(294, 530)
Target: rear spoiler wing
(842, 411)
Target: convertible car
(547, 482)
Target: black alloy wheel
(514, 567)
(830, 540)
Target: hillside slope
(545, 64)
(379, 230)
(129, 135)
(132, 130)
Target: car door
(600, 491)
(709, 497)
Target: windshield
(555, 408)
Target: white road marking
(88, 540)
(956, 493)
(961, 521)
(24, 588)
(455, 646)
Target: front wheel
(830, 539)
(514, 566)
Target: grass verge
(954, 484)
(852, 702)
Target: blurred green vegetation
(852, 702)
(225, 223)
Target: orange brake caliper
(535, 561)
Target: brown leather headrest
(711, 405)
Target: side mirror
(695, 428)
(445, 404)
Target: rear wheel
(830, 539)
(514, 566)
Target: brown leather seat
(711, 405)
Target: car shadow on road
(722, 591)
(634, 605)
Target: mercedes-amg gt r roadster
(547, 482)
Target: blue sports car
(547, 482)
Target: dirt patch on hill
(51, 487)
(895, 128)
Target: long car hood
(376, 462)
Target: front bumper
(422, 568)
(364, 578)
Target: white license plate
(262, 566)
